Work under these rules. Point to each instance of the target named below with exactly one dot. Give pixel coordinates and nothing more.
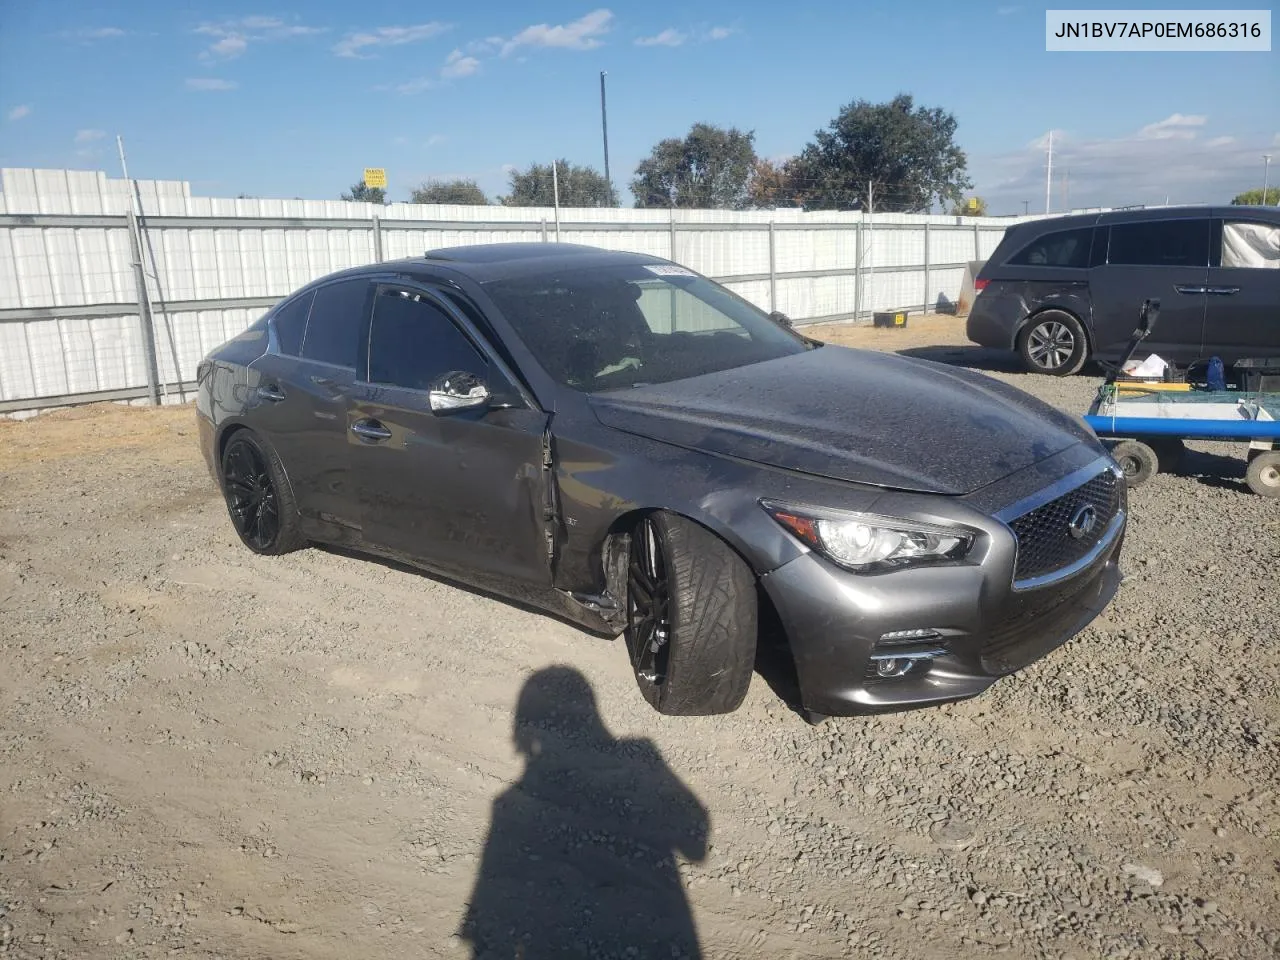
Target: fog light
(893, 667)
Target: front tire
(259, 498)
(691, 618)
(1053, 343)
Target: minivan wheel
(691, 618)
(1053, 342)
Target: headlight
(863, 541)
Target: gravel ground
(208, 754)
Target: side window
(1063, 248)
(334, 327)
(290, 322)
(1161, 243)
(1251, 245)
(412, 341)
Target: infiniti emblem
(1082, 522)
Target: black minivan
(1063, 290)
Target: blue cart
(1149, 420)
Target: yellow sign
(973, 202)
(375, 177)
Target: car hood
(855, 415)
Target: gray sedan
(620, 441)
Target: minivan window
(412, 342)
(1062, 248)
(290, 322)
(1161, 243)
(334, 326)
(1251, 245)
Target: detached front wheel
(691, 618)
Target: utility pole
(1266, 169)
(604, 128)
(1025, 204)
(1048, 176)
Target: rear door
(303, 392)
(1243, 313)
(1162, 258)
(466, 491)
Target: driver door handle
(1223, 291)
(1192, 290)
(370, 431)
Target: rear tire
(1138, 461)
(259, 498)
(1053, 343)
(691, 618)
(1263, 475)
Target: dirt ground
(204, 753)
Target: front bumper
(837, 621)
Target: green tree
(1254, 198)
(771, 185)
(970, 207)
(365, 193)
(907, 154)
(710, 168)
(449, 191)
(579, 187)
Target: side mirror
(1147, 318)
(781, 319)
(457, 390)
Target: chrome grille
(1045, 540)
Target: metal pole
(1048, 175)
(857, 270)
(377, 239)
(144, 313)
(1266, 170)
(672, 240)
(977, 244)
(544, 229)
(555, 194)
(604, 129)
(871, 246)
(773, 268)
(926, 267)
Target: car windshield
(624, 326)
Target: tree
(449, 191)
(366, 194)
(971, 207)
(1254, 198)
(906, 153)
(710, 169)
(579, 187)
(771, 185)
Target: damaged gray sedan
(618, 440)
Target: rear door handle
(1190, 290)
(1223, 291)
(370, 431)
(270, 392)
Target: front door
(463, 492)
(1243, 318)
(1166, 260)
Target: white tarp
(1250, 245)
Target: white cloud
(1174, 127)
(354, 44)
(89, 34)
(20, 111)
(1144, 166)
(720, 33)
(581, 34)
(435, 139)
(410, 87)
(670, 37)
(88, 136)
(1007, 10)
(210, 83)
(234, 36)
(458, 64)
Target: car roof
(500, 261)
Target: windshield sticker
(670, 270)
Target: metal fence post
(773, 268)
(144, 313)
(377, 239)
(544, 229)
(926, 267)
(977, 244)
(857, 270)
(672, 239)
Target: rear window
(334, 326)
(1160, 243)
(290, 322)
(1063, 248)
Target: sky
(281, 98)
